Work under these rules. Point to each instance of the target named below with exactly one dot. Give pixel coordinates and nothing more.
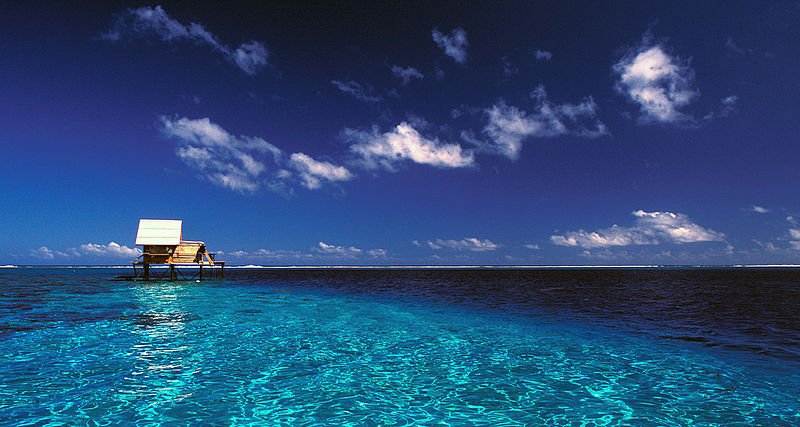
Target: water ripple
(407, 348)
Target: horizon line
(423, 266)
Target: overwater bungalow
(163, 245)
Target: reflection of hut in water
(162, 244)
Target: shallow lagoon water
(398, 348)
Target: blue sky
(404, 133)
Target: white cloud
(350, 251)
(650, 228)
(404, 143)
(339, 250)
(240, 163)
(468, 243)
(508, 126)
(44, 252)
(203, 132)
(794, 233)
(322, 251)
(727, 106)
(356, 90)
(454, 45)
(281, 255)
(543, 55)
(250, 56)
(532, 246)
(377, 253)
(312, 171)
(792, 236)
(661, 84)
(405, 74)
(614, 236)
(676, 227)
(112, 249)
(226, 160)
(759, 209)
(268, 254)
(729, 103)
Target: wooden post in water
(146, 272)
(172, 272)
(201, 271)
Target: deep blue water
(422, 347)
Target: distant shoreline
(433, 267)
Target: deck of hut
(166, 256)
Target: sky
(403, 133)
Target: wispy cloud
(44, 252)
(313, 171)
(469, 243)
(226, 160)
(377, 253)
(321, 252)
(405, 74)
(727, 106)
(465, 110)
(280, 254)
(357, 91)
(454, 45)
(659, 82)
(509, 69)
(778, 247)
(260, 255)
(350, 251)
(244, 163)
(508, 126)
(650, 228)
(377, 150)
(543, 55)
(759, 209)
(343, 251)
(731, 45)
(794, 242)
(250, 56)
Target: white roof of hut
(159, 232)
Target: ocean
(495, 347)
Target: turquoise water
(88, 351)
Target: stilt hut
(162, 244)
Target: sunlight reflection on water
(232, 353)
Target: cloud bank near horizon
(650, 228)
